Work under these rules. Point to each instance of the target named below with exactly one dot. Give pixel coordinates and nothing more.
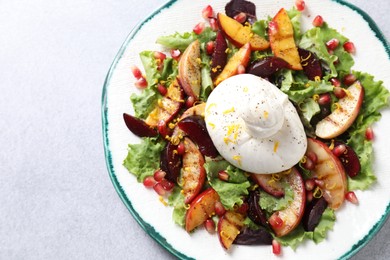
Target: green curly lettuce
(143, 158)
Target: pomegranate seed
(308, 164)
(159, 189)
(223, 176)
(351, 197)
(335, 82)
(162, 90)
(162, 128)
(332, 44)
(273, 27)
(275, 221)
(349, 79)
(190, 101)
(349, 47)
(136, 72)
(240, 69)
(181, 149)
(310, 184)
(209, 225)
(339, 92)
(309, 196)
(276, 248)
(207, 12)
(240, 17)
(167, 185)
(159, 175)
(210, 47)
(159, 55)
(141, 83)
(369, 134)
(324, 99)
(243, 208)
(318, 21)
(219, 208)
(149, 181)
(175, 54)
(300, 5)
(312, 156)
(198, 29)
(339, 150)
(213, 24)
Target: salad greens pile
(143, 158)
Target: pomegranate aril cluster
(158, 182)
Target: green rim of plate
(111, 169)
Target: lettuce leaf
(143, 158)
(176, 200)
(231, 192)
(181, 41)
(376, 97)
(207, 83)
(295, 17)
(314, 40)
(270, 203)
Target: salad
(185, 157)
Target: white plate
(355, 225)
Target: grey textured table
(56, 199)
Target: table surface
(56, 198)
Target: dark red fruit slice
(311, 64)
(266, 66)
(313, 213)
(350, 160)
(255, 212)
(138, 126)
(170, 162)
(253, 237)
(219, 56)
(195, 128)
(234, 7)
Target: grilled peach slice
(330, 171)
(193, 173)
(201, 208)
(167, 107)
(189, 70)
(239, 34)
(284, 221)
(281, 38)
(344, 115)
(229, 226)
(241, 57)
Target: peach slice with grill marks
(344, 115)
(229, 226)
(281, 38)
(193, 174)
(330, 172)
(168, 106)
(284, 221)
(189, 70)
(201, 209)
(239, 34)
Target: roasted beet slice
(255, 212)
(349, 159)
(170, 162)
(267, 66)
(138, 126)
(195, 128)
(253, 237)
(234, 7)
(311, 64)
(219, 56)
(313, 213)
